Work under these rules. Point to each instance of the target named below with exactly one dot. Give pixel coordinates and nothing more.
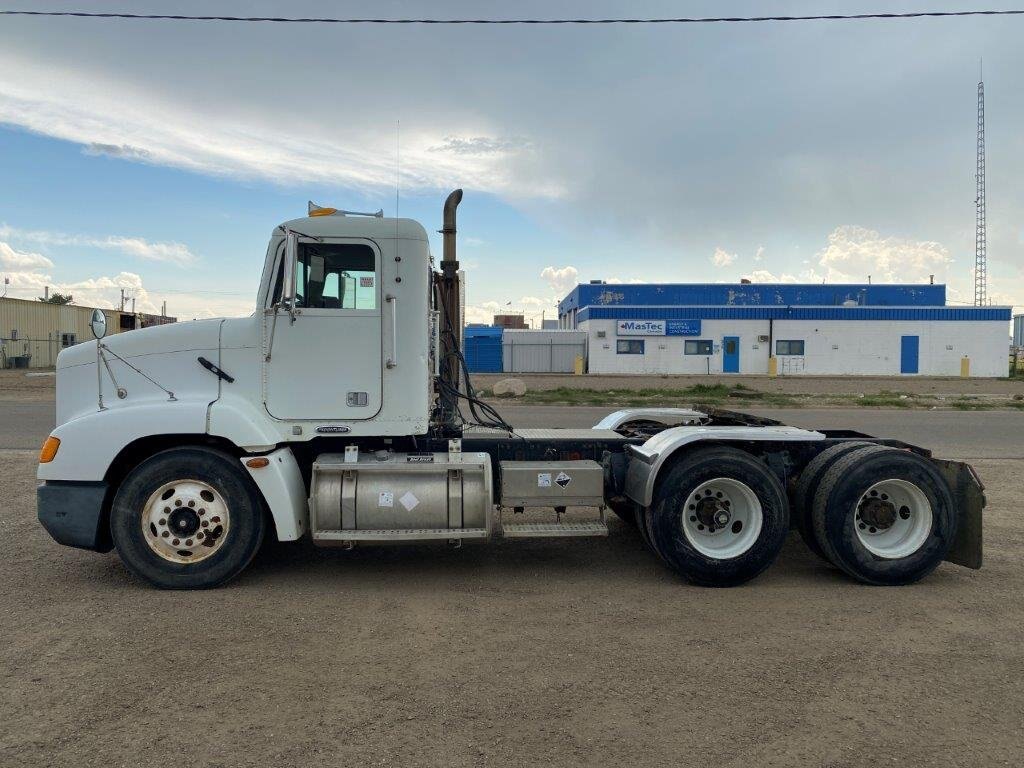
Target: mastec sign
(657, 328)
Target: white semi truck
(341, 410)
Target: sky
(157, 157)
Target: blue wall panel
(752, 295)
(482, 349)
(794, 313)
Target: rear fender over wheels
(647, 462)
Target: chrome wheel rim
(893, 519)
(723, 518)
(185, 521)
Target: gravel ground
(789, 385)
(38, 386)
(519, 653)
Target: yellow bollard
(773, 366)
(578, 366)
(965, 367)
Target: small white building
(852, 336)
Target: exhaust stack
(451, 313)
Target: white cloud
(561, 279)
(765, 276)
(482, 313)
(759, 254)
(28, 277)
(854, 253)
(112, 114)
(723, 258)
(18, 261)
(174, 253)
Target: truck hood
(158, 339)
(141, 367)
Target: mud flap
(968, 493)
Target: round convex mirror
(98, 323)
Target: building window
(698, 347)
(67, 340)
(789, 347)
(629, 347)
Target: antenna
(398, 164)
(980, 237)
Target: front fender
(283, 490)
(647, 460)
(89, 443)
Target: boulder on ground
(509, 388)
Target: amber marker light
(258, 463)
(49, 450)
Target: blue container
(481, 347)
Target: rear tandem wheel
(884, 516)
(719, 517)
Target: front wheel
(187, 518)
(720, 517)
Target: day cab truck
(341, 410)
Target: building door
(731, 354)
(909, 353)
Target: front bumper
(72, 513)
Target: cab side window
(336, 276)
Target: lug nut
(176, 542)
(188, 542)
(163, 521)
(191, 502)
(165, 534)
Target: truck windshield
(336, 276)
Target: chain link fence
(33, 353)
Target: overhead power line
(681, 20)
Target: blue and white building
(791, 328)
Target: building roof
(791, 313)
(753, 294)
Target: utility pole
(980, 236)
(122, 300)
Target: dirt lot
(36, 387)
(523, 653)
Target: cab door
(325, 355)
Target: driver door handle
(392, 362)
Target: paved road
(25, 425)
(954, 434)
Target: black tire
(670, 504)
(624, 509)
(835, 510)
(802, 500)
(218, 470)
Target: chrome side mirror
(98, 324)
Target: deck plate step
(402, 534)
(543, 530)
